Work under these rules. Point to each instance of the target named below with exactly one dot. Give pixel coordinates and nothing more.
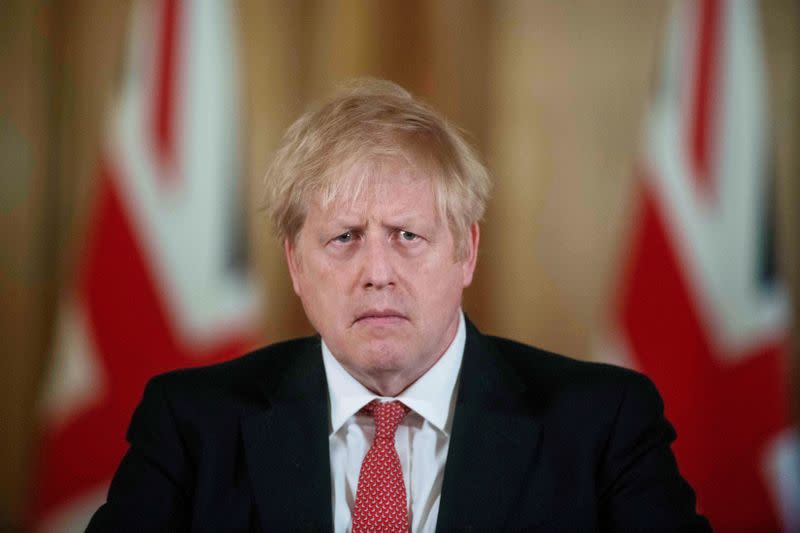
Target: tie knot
(387, 417)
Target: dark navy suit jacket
(539, 442)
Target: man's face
(379, 280)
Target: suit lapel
(286, 448)
(494, 443)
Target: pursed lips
(379, 316)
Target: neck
(389, 383)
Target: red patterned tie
(381, 494)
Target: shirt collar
(430, 396)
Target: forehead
(393, 186)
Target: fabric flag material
(698, 307)
(160, 281)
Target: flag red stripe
(134, 340)
(725, 407)
(705, 92)
(164, 95)
(124, 302)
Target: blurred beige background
(552, 93)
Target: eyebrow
(357, 221)
(347, 221)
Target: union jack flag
(699, 307)
(161, 281)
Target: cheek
(439, 281)
(327, 283)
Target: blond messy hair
(370, 122)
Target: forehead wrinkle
(365, 216)
(357, 187)
(379, 207)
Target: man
(400, 414)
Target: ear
(468, 264)
(293, 263)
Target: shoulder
(552, 372)
(210, 400)
(589, 395)
(603, 426)
(249, 375)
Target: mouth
(380, 317)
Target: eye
(345, 237)
(408, 236)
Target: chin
(384, 356)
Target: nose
(377, 270)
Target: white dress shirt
(422, 439)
